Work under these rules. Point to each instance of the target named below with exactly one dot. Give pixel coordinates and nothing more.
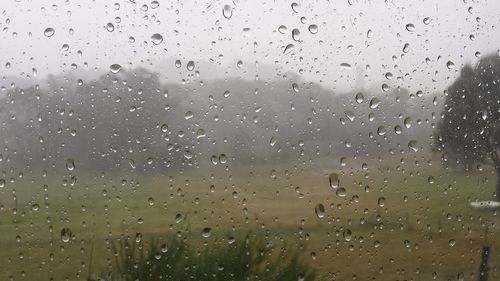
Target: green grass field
(424, 230)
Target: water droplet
(156, 38)
(110, 27)
(282, 29)
(200, 133)
(115, 68)
(374, 103)
(313, 29)
(2, 183)
(188, 115)
(70, 164)
(385, 87)
(66, 235)
(410, 27)
(426, 20)
(320, 211)
(206, 232)
(406, 48)
(190, 65)
(360, 97)
(347, 235)
(222, 158)
(49, 32)
(345, 65)
(450, 65)
(350, 115)
(452, 242)
(388, 76)
(288, 49)
(341, 192)
(296, 34)
(398, 130)
(239, 64)
(154, 4)
(343, 161)
(178, 63)
(334, 180)
(273, 141)
(381, 130)
(407, 122)
(295, 7)
(413, 145)
(381, 201)
(227, 11)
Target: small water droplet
(70, 164)
(295, 7)
(49, 32)
(190, 65)
(282, 29)
(115, 68)
(156, 38)
(313, 29)
(406, 48)
(381, 201)
(188, 115)
(347, 235)
(410, 27)
(450, 65)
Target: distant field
(423, 228)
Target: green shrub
(248, 258)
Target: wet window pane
(249, 140)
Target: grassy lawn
(399, 220)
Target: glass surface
(249, 140)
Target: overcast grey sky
(367, 35)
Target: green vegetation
(249, 258)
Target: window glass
(249, 140)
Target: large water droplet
(227, 11)
(206, 232)
(110, 27)
(450, 65)
(374, 103)
(347, 235)
(70, 164)
(190, 65)
(413, 145)
(156, 38)
(406, 48)
(334, 180)
(360, 97)
(410, 27)
(313, 29)
(320, 211)
(282, 29)
(296, 34)
(115, 68)
(288, 49)
(66, 235)
(49, 31)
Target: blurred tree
(469, 131)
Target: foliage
(234, 259)
(469, 131)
